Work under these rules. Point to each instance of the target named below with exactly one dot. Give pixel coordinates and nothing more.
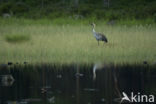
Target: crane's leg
(98, 43)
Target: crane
(98, 36)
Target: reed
(74, 43)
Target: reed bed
(74, 43)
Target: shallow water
(74, 84)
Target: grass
(74, 43)
(14, 38)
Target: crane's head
(93, 24)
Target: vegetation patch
(71, 42)
(17, 38)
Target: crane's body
(99, 36)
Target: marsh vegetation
(74, 43)
(17, 38)
(48, 54)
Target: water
(74, 84)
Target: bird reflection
(97, 66)
(110, 79)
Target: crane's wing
(102, 37)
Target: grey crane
(98, 36)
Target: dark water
(74, 84)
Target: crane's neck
(94, 33)
(94, 30)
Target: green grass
(74, 43)
(14, 38)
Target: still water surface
(74, 84)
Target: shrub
(20, 8)
(17, 38)
(6, 8)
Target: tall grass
(75, 43)
(14, 38)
